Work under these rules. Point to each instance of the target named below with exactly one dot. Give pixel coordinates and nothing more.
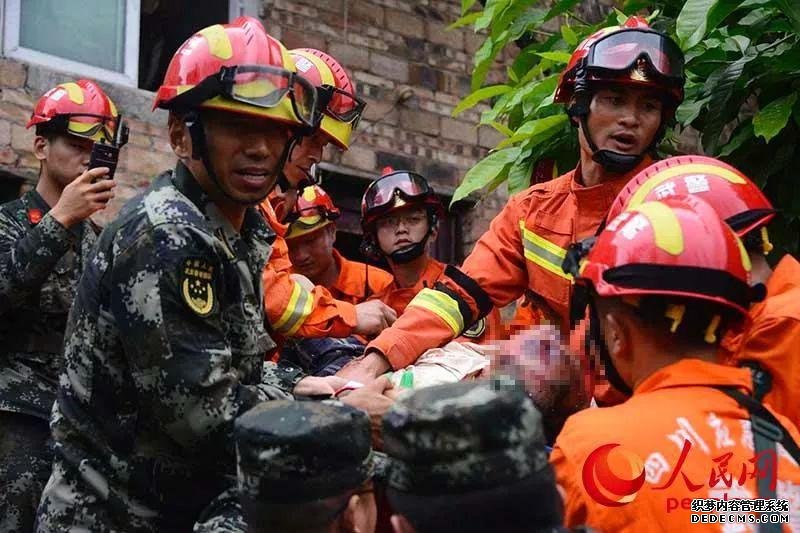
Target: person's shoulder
(161, 219)
(15, 209)
(586, 428)
(533, 196)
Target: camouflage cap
(299, 451)
(463, 437)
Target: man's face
(66, 157)
(244, 151)
(401, 228)
(623, 119)
(312, 254)
(307, 153)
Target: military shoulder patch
(197, 286)
(476, 330)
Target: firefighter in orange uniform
(312, 232)
(773, 338)
(399, 215)
(622, 85)
(664, 281)
(292, 309)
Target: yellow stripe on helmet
(74, 91)
(219, 44)
(667, 230)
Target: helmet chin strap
(613, 162)
(410, 252)
(413, 251)
(197, 132)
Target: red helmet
(313, 210)
(632, 54)
(395, 190)
(79, 108)
(736, 199)
(674, 247)
(340, 109)
(237, 67)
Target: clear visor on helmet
(382, 191)
(341, 105)
(620, 51)
(264, 86)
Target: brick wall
(395, 50)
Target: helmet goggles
(625, 50)
(340, 104)
(259, 86)
(99, 128)
(310, 216)
(409, 185)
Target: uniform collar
(255, 230)
(601, 196)
(346, 281)
(696, 373)
(34, 200)
(433, 270)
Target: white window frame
(238, 8)
(130, 77)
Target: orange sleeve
(294, 311)
(566, 472)
(774, 342)
(435, 317)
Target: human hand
(84, 196)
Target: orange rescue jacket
(293, 311)
(674, 405)
(357, 282)
(399, 298)
(773, 338)
(522, 251)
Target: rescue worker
(310, 239)
(165, 343)
(773, 338)
(399, 215)
(294, 310)
(45, 239)
(311, 235)
(301, 467)
(665, 280)
(622, 86)
(469, 457)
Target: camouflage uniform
(465, 440)
(164, 349)
(292, 453)
(40, 263)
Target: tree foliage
(743, 75)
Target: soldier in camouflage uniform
(165, 342)
(302, 466)
(45, 240)
(469, 457)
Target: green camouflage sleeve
(28, 257)
(223, 515)
(175, 323)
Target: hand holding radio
(87, 194)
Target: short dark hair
(694, 323)
(526, 506)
